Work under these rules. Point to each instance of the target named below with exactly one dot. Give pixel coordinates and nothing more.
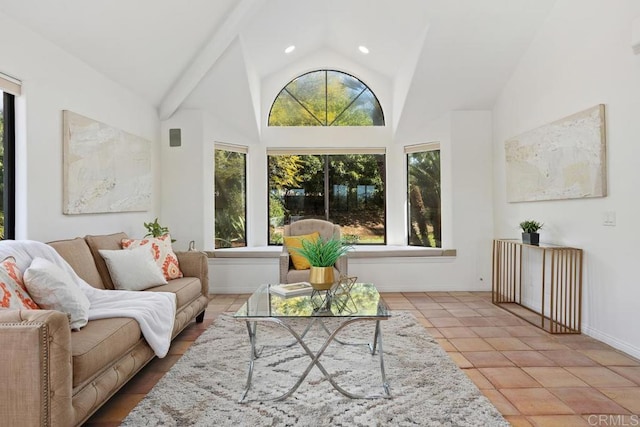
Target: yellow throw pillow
(291, 242)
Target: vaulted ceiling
(437, 55)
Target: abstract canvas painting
(105, 168)
(562, 160)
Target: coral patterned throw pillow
(13, 292)
(162, 253)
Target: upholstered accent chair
(327, 230)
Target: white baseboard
(612, 341)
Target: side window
(423, 194)
(7, 166)
(230, 197)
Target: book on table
(292, 289)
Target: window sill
(399, 251)
(247, 252)
(357, 252)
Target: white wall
(187, 176)
(471, 219)
(466, 140)
(466, 156)
(581, 57)
(54, 81)
(183, 179)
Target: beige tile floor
(532, 377)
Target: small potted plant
(322, 255)
(154, 229)
(530, 233)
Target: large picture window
(230, 197)
(326, 98)
(423, 193)
(346, 189)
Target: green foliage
(297, 187)
(326, 98)
(530, 226)
(230, 198)
(230, 226)
(276, 210)
(154, 229)
(284, 171)
(350, 239)
(424, 198)
(276, 238)
(321, 252)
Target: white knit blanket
(155, 312)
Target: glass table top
(363, 300)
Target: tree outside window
(346, 189)
(326, 98)
(423, 177)
(230, 198)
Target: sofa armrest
(284, 266)
(36, 370)
(195, 264)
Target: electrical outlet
(609, 219)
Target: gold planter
(321, 278)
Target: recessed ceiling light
(290, 49)
(363, 49)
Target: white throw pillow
(162, 252)
(53, 289)
(134, 269)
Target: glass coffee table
(362, 303)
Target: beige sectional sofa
(52, 376)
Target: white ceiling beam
(208, 56)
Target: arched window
(326, 98)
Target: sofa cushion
(186, 289)
(106, 241)
(98, 344)
(162, 252)
(133, 270)
(76, 252)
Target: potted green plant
(322, 254)
(154, 229)
(530, 233)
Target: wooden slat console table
(560, 310)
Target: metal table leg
(252, 327)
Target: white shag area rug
(204, 386)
